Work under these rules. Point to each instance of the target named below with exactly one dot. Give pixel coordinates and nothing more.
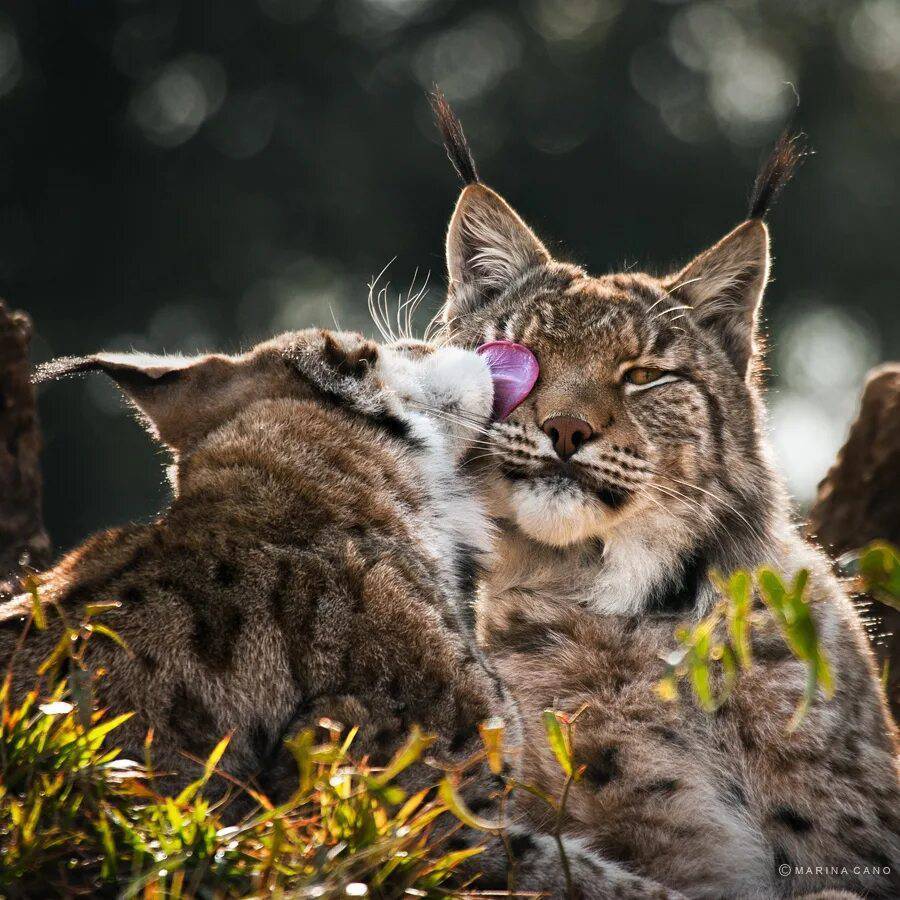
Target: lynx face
(645, 411)
(637, 412)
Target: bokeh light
(183, 177)
(10, 58)
(178, 99)
(469, 59)
(573, 21)
(821, 355)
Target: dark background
(181, 176)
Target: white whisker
(668, 310)
(374, 304)
(682, 284)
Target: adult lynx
(638, 464)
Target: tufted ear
(724, 286)
(488, 247)
(177, 397)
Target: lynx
(317, 560)
(636, 466)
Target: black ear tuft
(778, 169)
(454, 137)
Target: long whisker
(719, 498)
(459, 414)
(681, 284)
(439, 333)
(667, 491)
(691, 504)
(670, 309)
(411, 302)
(398, 313)
(644, 492)
(386, 310)
(403, 323)
(656, 303)
(373, 314)
(374, 305)
(452, 418)
(471, 459)
(418, 298)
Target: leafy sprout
(875, 571)
(712, 653)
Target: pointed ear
(724, 286)
(175, 396)
(488, 246)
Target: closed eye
(642, 378)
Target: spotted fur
(317, 560)
(604, 553)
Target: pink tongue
(514, 370)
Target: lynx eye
(641, 376)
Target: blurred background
(197, 175)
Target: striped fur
(602, 555)
(317, 560)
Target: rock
(859, 500)
(23, 540)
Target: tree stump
(859, 500)
(23, 540)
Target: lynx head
(413, 390)
(643, 429)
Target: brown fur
(310, 565)
(604, 553)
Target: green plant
(712, 653)
(559, 727)
(875, 570)
(76, 818)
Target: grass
(76, 819)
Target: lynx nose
(567, 434)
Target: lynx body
(318, 560)
(636, 466)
